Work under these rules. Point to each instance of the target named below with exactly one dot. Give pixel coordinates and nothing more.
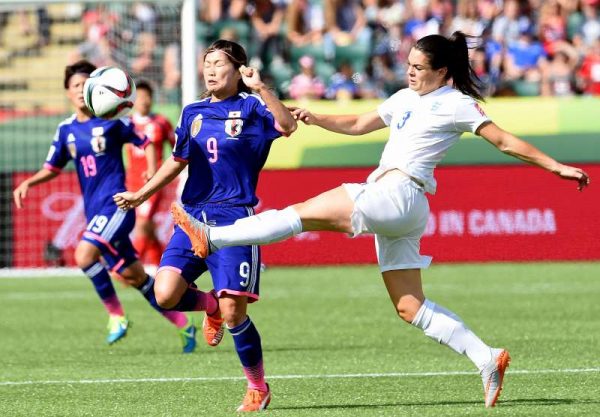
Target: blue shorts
(109, 231)
(235, 270)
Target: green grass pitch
(332, 347)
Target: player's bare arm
(513, 146)
(281, 114)
(354, 124)
(20, 193)
(167, 173)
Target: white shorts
(396, 210)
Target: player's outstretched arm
(513, 146)
(166, 173)
(354, 124)
(39, 177)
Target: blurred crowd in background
(344, 49)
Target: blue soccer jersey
(226, 144)
(96, 147)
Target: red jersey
(158, 130)
(590, 72)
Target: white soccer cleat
(492, 375)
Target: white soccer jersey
(423, 128)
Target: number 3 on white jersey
(97, 224)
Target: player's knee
(233, 314)
(84, 259)
(165, 297)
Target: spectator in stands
(387, 75)
(467, 19)
(558, 76)
(588, 76)
(421, 23)
(219, 10)
(343, 85)
(305, 23)
(552, 26)
(171, 70)
(346, 23)
(481, 67)
(96, 48)
(266, 17)
(524, 57)
(442, 11)
(590, 28)
(146, 63)
(306, 85)
(145, 18)
(510, 23)
(3, 21)
(43, 25)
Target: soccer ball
(109, 93)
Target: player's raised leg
(330, 210)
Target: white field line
(40, 272)
(314, 376)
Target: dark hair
(452, 53)
(236, 55)
(144, 85)
(80, 67)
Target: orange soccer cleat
(255, 400)
(492, 376)
(195, 229)
(212, 326)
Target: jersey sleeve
(58, 154)
(181, 150)
(270, 126)
(469, 115)
(128, 134)
(386, 109)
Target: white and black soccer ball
(109, 93)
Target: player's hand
(303, 115)
(575, 174)
(127, 200)
(20, 193)
(251, 78)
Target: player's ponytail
(452, 53)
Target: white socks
(448, 329)
(264, 228)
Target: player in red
(159, 130)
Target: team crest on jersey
(98, 141)
(233, 127)
(196, 126)
(71, 145)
